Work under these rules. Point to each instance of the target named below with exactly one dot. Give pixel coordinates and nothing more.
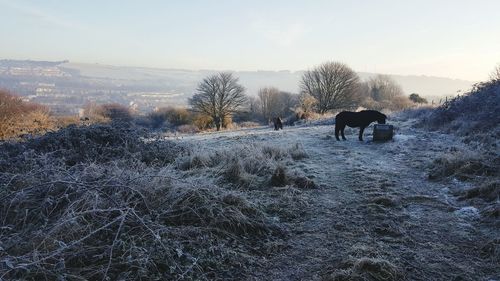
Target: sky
(457, 39)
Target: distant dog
(360, 119)
(277, 124)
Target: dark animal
(277, 123)
(360, 119)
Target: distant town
(66, 92)
(67, 87)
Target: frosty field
(374, 215)
(251, 204)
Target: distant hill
(427, 86)
(66, 87)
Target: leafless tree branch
(333, 85)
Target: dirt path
(374, 201)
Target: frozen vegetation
(118, 203)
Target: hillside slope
(375, 215)
(101, 202)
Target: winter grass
(98, 203)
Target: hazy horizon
(70, 62)
(454, 39)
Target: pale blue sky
(458, 39)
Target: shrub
(111, 112)
(495, 74)
(202, 121)
(247, 116)
(479, 107)
(249, 124)
(187, 129)
(65, 121)
(416, 98)
(382, 92)
(413, 113)
(96, 143)
(116, 112)
(18, 117)
(172, 115)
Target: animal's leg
(342, 132)
(337, 130)
(361, 130)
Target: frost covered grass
(412, 113)
(473, 116)
(477, 167)
(104, 202)
(101, 202)
(246, 166)
(474, 119)
(464, 165)
(482, 173)
(103, 220)
(369, 269)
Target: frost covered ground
(105, 202)
(373, 214)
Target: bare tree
(382, 92)
(288, 103)
(268, 102)
(253, 105)
(333, 85)
(219, 96)
(274, 102)
(495, 75)
(383, 87)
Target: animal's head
(381, 118)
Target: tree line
(220, 101)
(331, 86)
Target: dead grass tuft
(279, 177)
(235, 173)
(274, 152)
(304, 182)
(489, 192)
(367, 269)
(464, 165)
(214, 208)
(246, 166)
(491, 250)
(287, 203)
(386, 201)
(297, 152)
(491, 210)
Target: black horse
(277, 123)
(360, 119)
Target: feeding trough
(383, 132)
